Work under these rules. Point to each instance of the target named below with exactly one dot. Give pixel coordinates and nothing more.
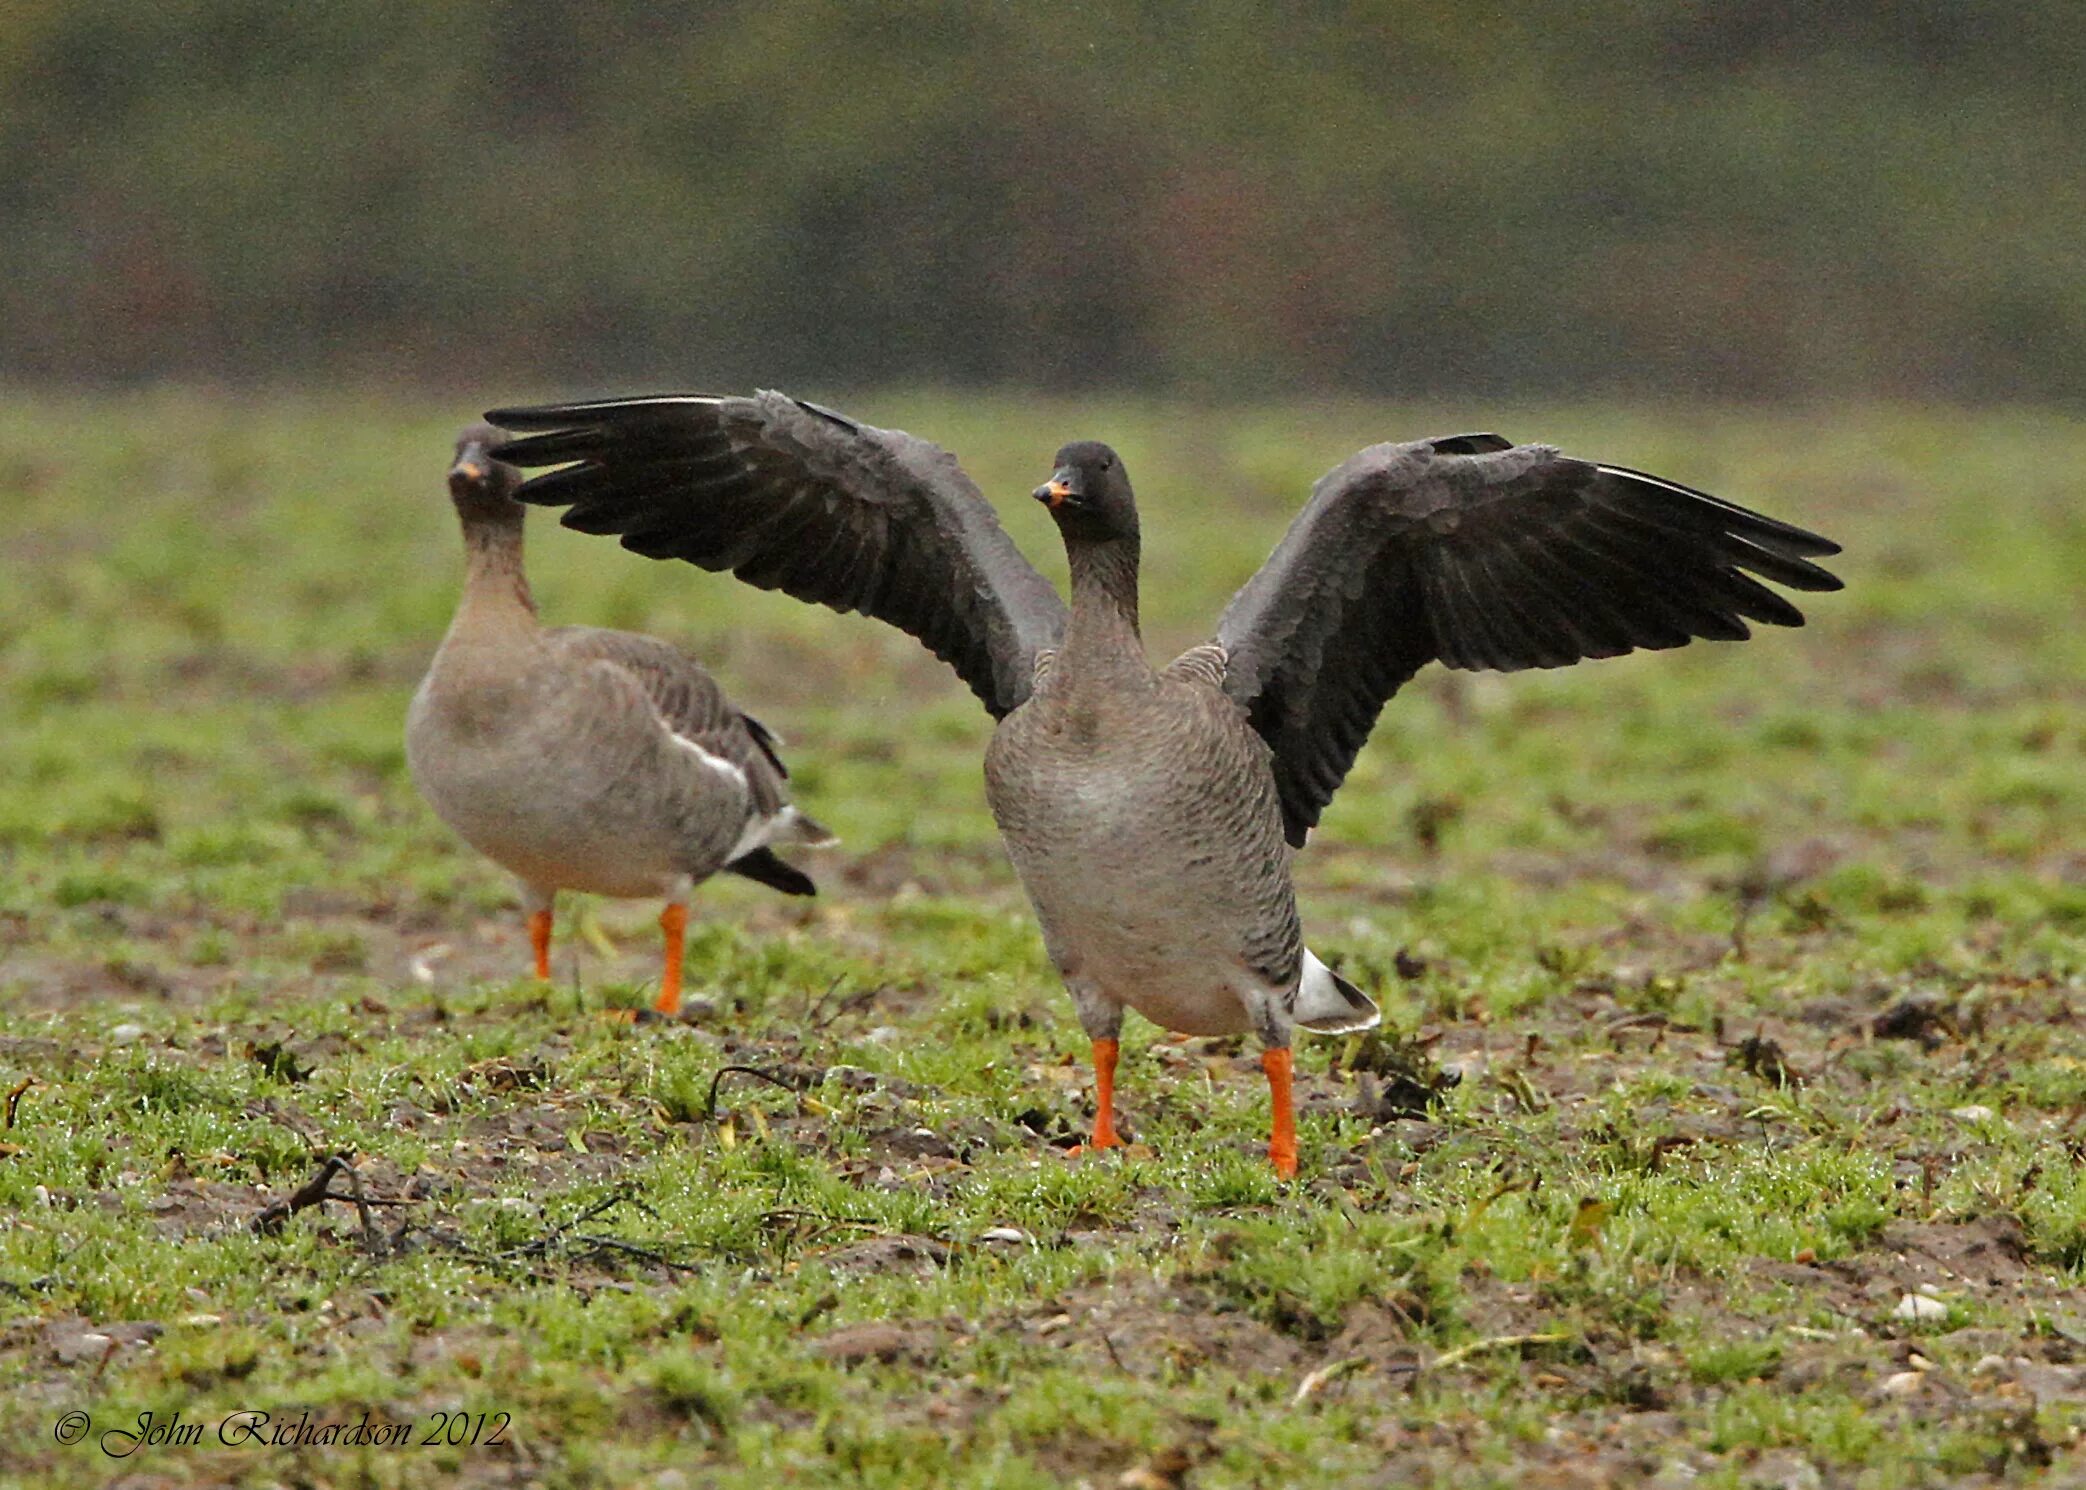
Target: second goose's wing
(689, 703)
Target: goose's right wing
(792, 497)
(1481, 553)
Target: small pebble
(126, 1034)
(1976, 1113)
(1904, 1383)
(1989, 1365)
(1013, 1235)
(1919, 1306)
(853, 1078)
(86, 1346)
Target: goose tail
(1327, 1004)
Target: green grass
(1622, 1247)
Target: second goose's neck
(1103, 629)
(496, 588)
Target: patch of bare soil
(1157, 1330)
(1626, 1412)
(884, 1341)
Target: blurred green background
(1245, 200)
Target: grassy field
(1725, 1131)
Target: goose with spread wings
(1151, 813)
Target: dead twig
(361, 1204)
(558, 1233)
(313, 1191)
(1463, 1353)
(816, 1016)
(14, 1097)
(317, 1190)
(773, 1078)
(1315, 1381)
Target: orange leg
(539, 941)
(1104, 1096)
(674, 922)
(1282, 1146)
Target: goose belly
(516, 801)
(1149, 941)
(1147, 881)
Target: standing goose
(582, 759)
(1152, 815)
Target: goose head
(1089, 494)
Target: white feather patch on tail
(786, 826)
(792, 826)
(1327, 1004)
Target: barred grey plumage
(584, 759)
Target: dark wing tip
(831, 416)
(528, 416)
(1475, 444)
(765, 739)
(1757, 527)
(551, 416)
(530, 450)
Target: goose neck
(496, 586)
(1104, 600)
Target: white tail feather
(792, 826)
(1327, 1004)
(786, 826)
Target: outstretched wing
(789, 496)
(1480, 553)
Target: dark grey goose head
(1089, 494)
